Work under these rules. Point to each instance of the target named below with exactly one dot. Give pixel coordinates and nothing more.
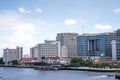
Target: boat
(117, 76)
(46, 68)
(53, 68)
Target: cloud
(23, 10)
(23, 36)
(18, 31)
(9, 19)
(103, 27)
(38, 10)
(21, 33)
(70, 22)
(117, 10)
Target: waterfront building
(115, 50)
(23, 60)
(34, 52)
(12, 54)
(47, 49)
(68, 40)
(64, 52)
(95, 44)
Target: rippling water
(31, 74)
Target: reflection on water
(31, 74)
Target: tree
(105, 64)
(88, 63)
(14, 62)
(76, 62)
(1, 61)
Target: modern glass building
(95, 44)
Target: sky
(28, 22)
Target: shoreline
(71, 68)
(93, 69)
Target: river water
(31, 74)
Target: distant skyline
(28, 22)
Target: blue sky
(28, 22)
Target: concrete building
(115, 50)
(95, 44)
(64, 52)
(68, 40)
(12, 54)
(34, 52)
(46, 49)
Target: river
(31, 74)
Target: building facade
(95, 44)
(115, 50)
(47, 49)
(68, 40)
(12, 54)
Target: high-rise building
(68, 40)
(12, 54)
(115, 50)
(95, 44)
(47, 49)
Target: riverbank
(69, 68)
(93, 69)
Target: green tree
(76, 62)
(104, 64)
(14, 62)
(1, 61)
(88, 63)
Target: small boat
(109, 75)
(117, 76)
(53, 68)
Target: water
(31, 74)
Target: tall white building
(47, 49)
(69, 40)
(115, 50)
(12, 54)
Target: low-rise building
(12, 54)
(47, 49)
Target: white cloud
(117, 10)
(103, 27)
(23, 10)
(9, 19)
(18, 31)
(38, 10)
(70, 22)
(21, 33)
